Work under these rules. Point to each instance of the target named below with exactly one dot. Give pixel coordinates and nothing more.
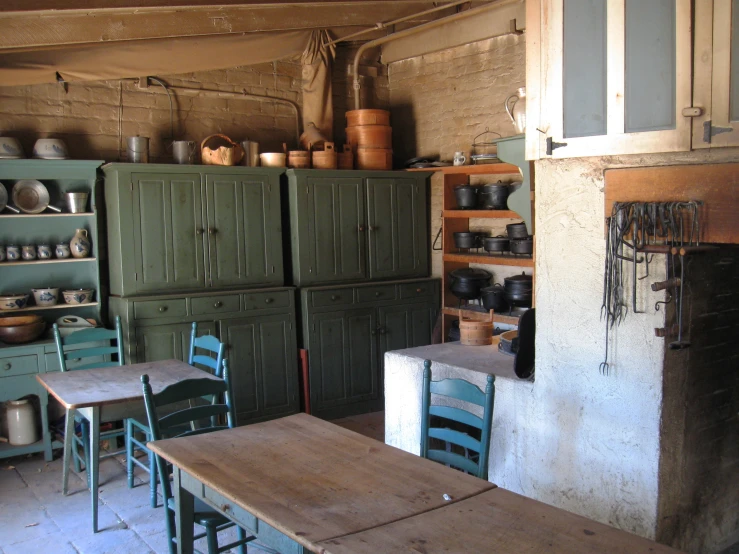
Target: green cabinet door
(336, 230)
(165, 342)
(244, 230)
(168, 229)
(343, 361)
(405, 326)
(262, 354)
(397, 228)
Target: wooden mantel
(716, 185)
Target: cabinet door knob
(212, 231)
(334, 297)
(7, 366)
(373, 332)
(377, 294)
(382, 330)
(361, 228)
(218, 304)
(199, 231)
(371, 228)
(163, 309)
(419, 290)
(268, 300)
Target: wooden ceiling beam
(31, 31)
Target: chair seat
(204, 514)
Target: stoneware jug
(21, 423)
(80, 245)
(517, 109)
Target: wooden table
(297, 481)
(302, 484)
(494, 521)
(109, 394)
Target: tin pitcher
(517, 111)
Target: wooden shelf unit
(60, 306)
(455, 220)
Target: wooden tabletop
(496, 521)
(314, 480)
(111, 385)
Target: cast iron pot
(467, 282)
(493, 298)
(496, 244)
(523, 246)
(465, 239)
(517, 230)
(466, 196)
(494, 196)
(518, 290)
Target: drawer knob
(419, 290)
(162, 309)
(373, 332)
(218, 304)
(268, 300)
(7, 366)
(334, 297)
(377, 294)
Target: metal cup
(76, 202)
(183, 151)
(251, 153)
(138, 149)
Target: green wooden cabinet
(357, 225)
(187, 228)
(258, 327)
(347, 329)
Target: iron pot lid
(471, 274)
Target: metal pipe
(382, 25)
(240, 95)
(413, 30)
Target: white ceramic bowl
(46, 297)
(10, 148)
(13, 301)
(272, 159)
(50, 149)
(78, 296)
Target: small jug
(80, 245)
(62, 250)
(13, 253)
(517, 112)
(44, 251)
(459, 158)
(28, 252)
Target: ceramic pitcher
(80, 245)
(517, 109)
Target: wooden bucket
(367, 117)
(475, 333)
(370, 136)
(298, 159)
(346, 158)
(374, 158)
(220, 152)
(325, 159)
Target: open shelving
(59, 306)
(50, 261)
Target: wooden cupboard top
(313, 480)
(495, 521)
(113, 385)
(485, 169)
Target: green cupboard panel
(165, 342)
(240, 211)
(168, 228)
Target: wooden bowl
(19, 334)
(16, 320)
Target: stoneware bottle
(80, 245)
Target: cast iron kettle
(523, 246)
(466, 239)
(517, 230)
(519, 290)
(467, 282)
(494, 196)
(496, 244)
(466, 196)
(493, 298)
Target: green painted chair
(166, 426)
(458, 389)
(96, 347)
(212, 363)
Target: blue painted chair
(458, 389)
(165, 426)
(96, 347)
(212, 363)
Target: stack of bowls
(20, 329)
(370, 135)
(50, 149)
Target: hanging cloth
(317, 60)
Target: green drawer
(19, 365)
(267, 300)
(374, 294)
(336, 297)
(150, 309)
(417, 290)
(215, 304)
(231, 510)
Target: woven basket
(224, 154)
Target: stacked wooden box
(370, 135)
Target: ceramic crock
(28, 252)
(62, 250)
(80, 244)
(44, 251)
(21, 422)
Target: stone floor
(35, 517)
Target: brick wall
(439, 102)
(95, 117)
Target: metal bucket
(184, 151)
(251, 153)
(77, 202)
(138, 149)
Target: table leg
(44, 401)
(185, 506)
(94, 462)
(68, 445)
